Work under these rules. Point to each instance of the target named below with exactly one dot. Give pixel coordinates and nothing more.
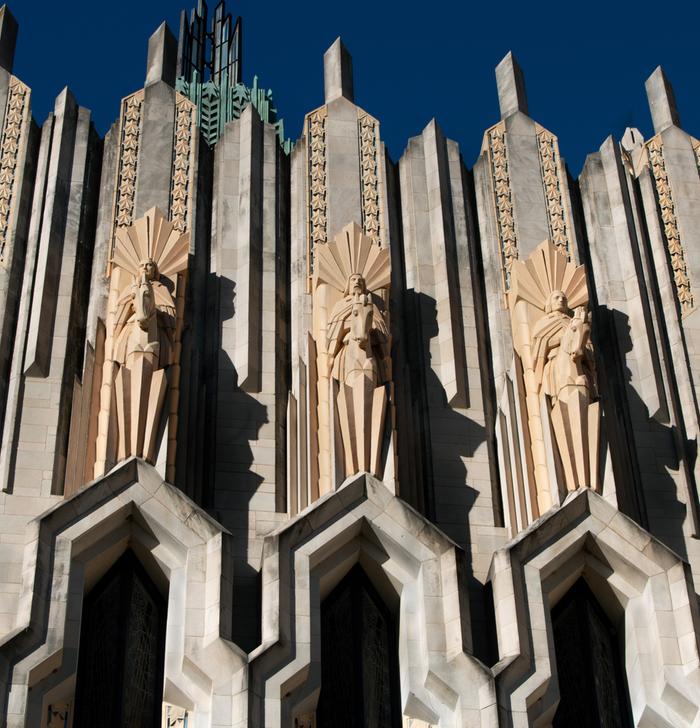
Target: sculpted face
(144, 302)
(558, 302)
(149, 270)
(356, 284)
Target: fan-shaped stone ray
(329, 270)
(154, 237)
(126, 253)
(377, 272)
(161, 231)
(175, 253)
(547, 270)
(352, 252)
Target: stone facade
(260, 370)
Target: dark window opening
(592, 683)
(359, 658)
(122, 639)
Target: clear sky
(585, 63)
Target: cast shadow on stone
(448, 439)
(237, 423)
(641, 466)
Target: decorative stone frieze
(550, 162)
(129, 136)
(503, 198)
(183, 164)
(16, 116)
(386, 434)
(368, 133)
(317, 192)
(664, 196)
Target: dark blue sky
(585, 67)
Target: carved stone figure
(142, 348)
(562, 349)
(358, 335)
(552, 336)
(145, 321)
(357, 343)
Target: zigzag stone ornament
(551, 335)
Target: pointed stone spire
(337, 72)
(662, 101)
(8, 38)
(162, 57)
(511, 86)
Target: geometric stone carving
(129, 136)
(183, 164)
(368, 136)
(142, 350)
(498, 156)
(550, 169)
(551, 335)
(318, 194)
(358, 343)
(17, 114)
(676, 251)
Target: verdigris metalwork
(217, 104)
(210, 73)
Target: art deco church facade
(294, 435)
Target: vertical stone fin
(337, 72)
(162, 57)
(662, 101)
(511, 87)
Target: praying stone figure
(142, 346)
(552, 336)
(562, 349)
(358, 344)
(145, 320)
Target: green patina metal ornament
(210, 74)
